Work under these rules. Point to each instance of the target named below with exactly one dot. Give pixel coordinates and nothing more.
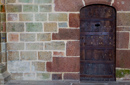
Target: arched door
(97, 43)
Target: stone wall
(39, 40)
(2, 33)
(123, 48)
(43, 37)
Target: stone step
(4, 77)
(33, 82)
(105, 83)
(21, 82)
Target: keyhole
(97, 25)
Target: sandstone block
(14, 8)
(16, 76)
(45, 8)
(46, 56)
(122, 40)
(30, 8)
(27, 37)
(19, 66)
(74, 20)
(15, 46)
(61, 25)
(55, 46)
(64, 64)
(56, 76)
(66, 34)
(11, 1)
(43, 76)
(44, 37)
(58, 54)
(58, 17)
(29, 76)
(34, 27)
(108, 2)
(43, 1)
(12, 17)
(26, 17)
(50, 27)
(13, 37)
(28, 55)
(15, 27)
(38, 66)
(68, 5)
(25, 1)
(34, 46)
(123, 19)
(41, 17)
(122, 58)
(13, 55)
(122, 5)
(73, 48)
(71, 76)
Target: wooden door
(97, 43)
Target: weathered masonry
(59, 40)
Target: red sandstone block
(123, 58)
(74, 20)
(108, 2)
(123, 29)
(122, 40)
(56, 76)
(13, 37)
(66, 34)
(73, 48)
(64, 64)
(122, 5)
(71, 76)
(58, 54)
(68, 5)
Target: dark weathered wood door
(97, 43)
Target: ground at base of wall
(20, 82)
